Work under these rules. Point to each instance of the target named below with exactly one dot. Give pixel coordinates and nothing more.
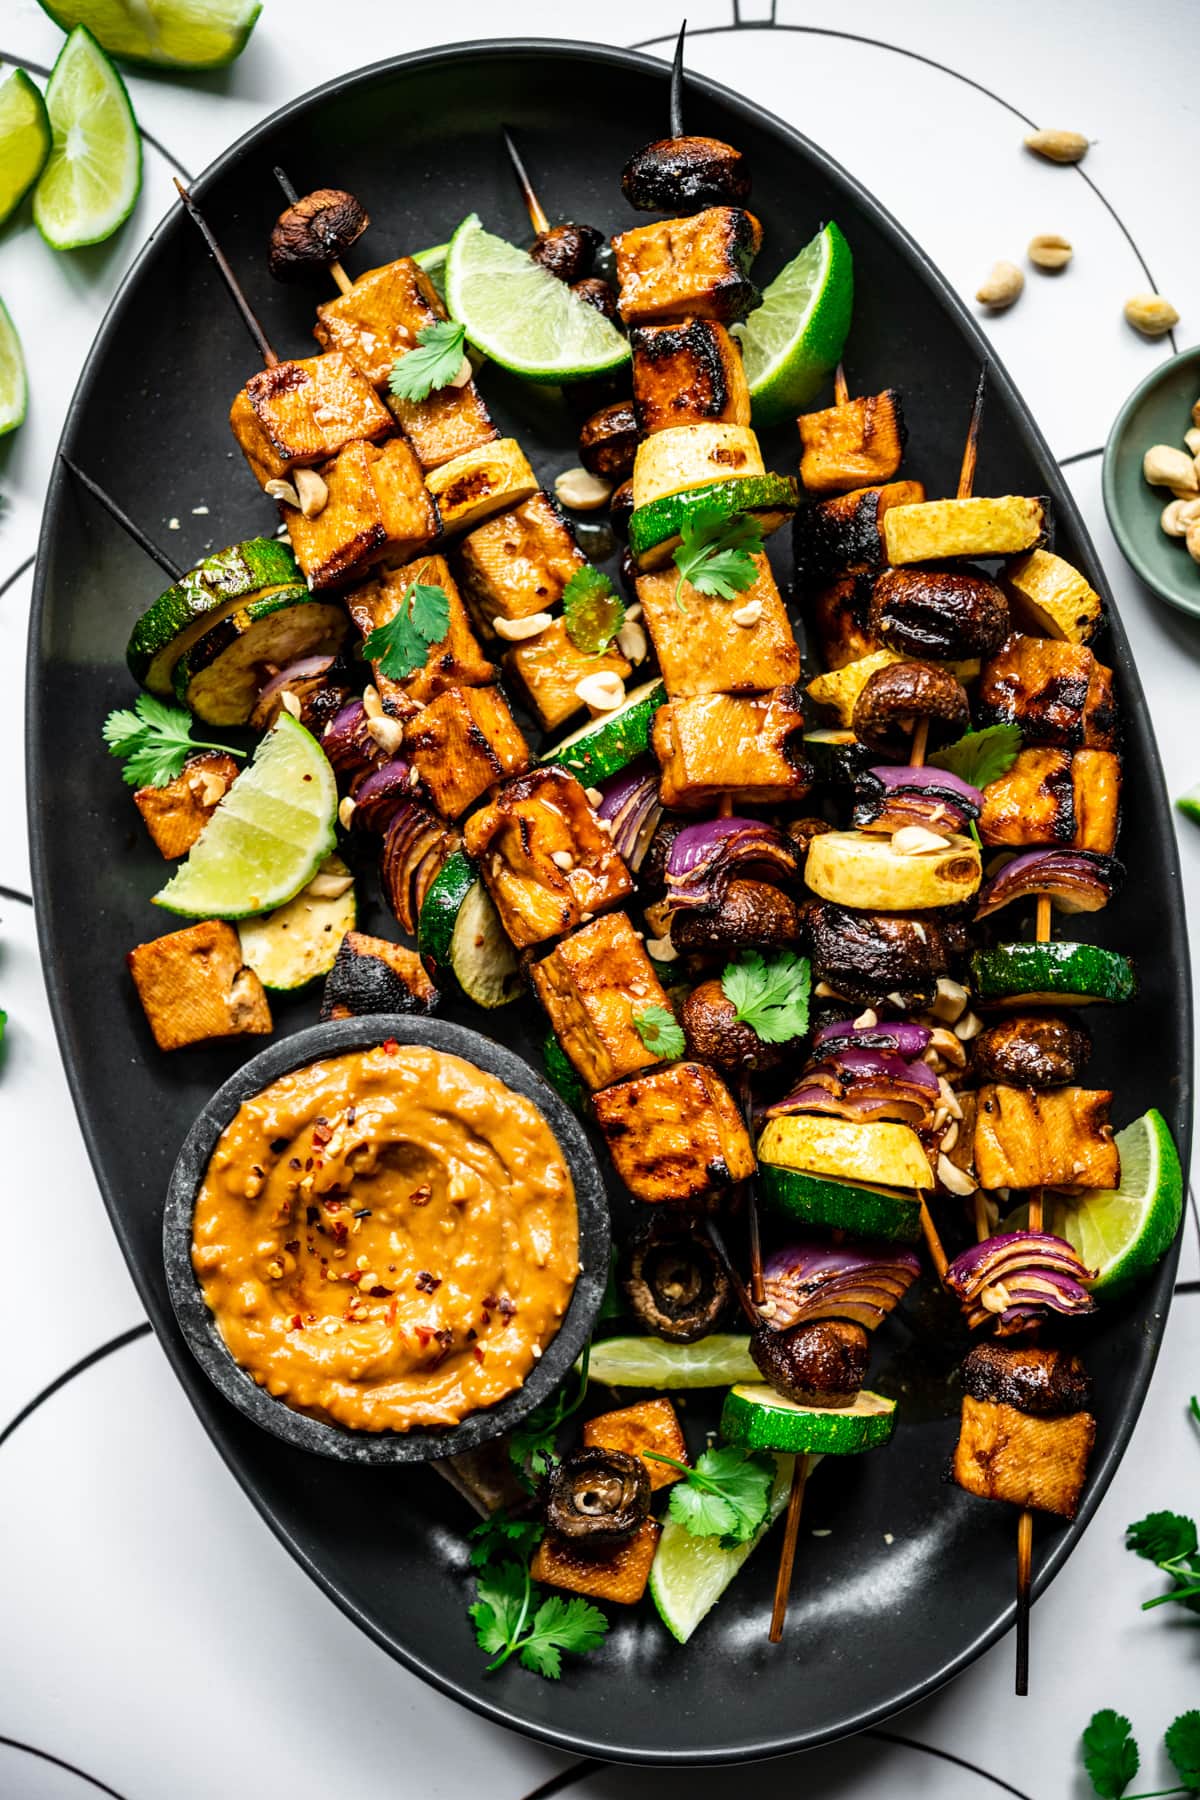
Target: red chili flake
(444, 1336)
(427, 1283)
(390, 1046)
(354, 1277)
(332, 1205)
(292, 1245)
(340, 1233)
(507, 1308)
(379, 1292)
(477, 1353)
(490, 1300)
(321, 1135)
(295, 1322)
(487, 1318)
(391, 1313)
(308, 1162)
(423, 1334)
(421, 1196)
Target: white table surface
(130, 1663)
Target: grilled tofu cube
(378, 506)
(593, 985)
(747, 747)
(374, 975)
(845, 533)
(298, 414)
(697, 267)
(448, 423)
(651, 1425)
(1096, 781)
(1003, 1454)
(703, 650)
(547, 864)
(620, 1576)
(676, 1135)
(978, 526)
(518, 563)
(841, 615)
(455, 661)
(462, 743)
(849, 445)
(194, 985)
(1052, 1137)
(687, 374)
(1055, 691)
(380, 317)
(548, 667)
(1052, 797)
(177, 813)
(1047, 596)
(470, 488)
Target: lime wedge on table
(24, 140)
(522, 317)
(268, 836)
(794, 340)
(689, 1574)
(14, 391)
(1189, 803)
(433, 261)
(650, 1362)
(94, 171)
(183, 34)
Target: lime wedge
(180, 34)
(651, 1362)
(24, 140)
(94, 171)
(433, 261)
(1189, 803)
(794, 340)
(520, 316)
(14, 390)
(268, 836)
(689, 1574)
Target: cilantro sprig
(1112, 1759)
(422, 619)
(981, 756)
(660, 1031)
(154, 740)
(532, 1446)
(716, 552)
(726, 1494)
(770, 994)
(434, 364)
(1169, 1540)
(593, 611)
(510, 1620)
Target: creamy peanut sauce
(387, 1239)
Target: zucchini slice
(440, 907)
(484, 962)
(219, 677)
(656, 527)
(756, 1416)
(835, 1205)
(689, 456)
(1051, 974)
(296, 943)
(883, 1153)
(606, 745)
(862, 870)
(257, 566)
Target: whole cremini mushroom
(674, 1280)
(598, 1498)
(316, 230)
(895, 697)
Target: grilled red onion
(1017, 1277)
(888, 798)
(704, 859)
(348, 743)
(808, 1280)
(903, 1036)
(633, 808)
(411, 835)
(308, 668)
(378, 794)
(863, 1084)
(1076, 880)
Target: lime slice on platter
(520, 316)
(93, 174)
(179, 34)
(793, 341)
(24, 140)
(650, 1362)
(269, 834)
(14, 389)
(433, 261)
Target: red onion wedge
(809, 1280)
(633, 808)
(704, 858)
(864, 1084)
(348, 743)
(378, 794)
(411, 835)
(903, 1036)
(1016, 1277)
(889, 797)
(307, 668)
(1076, 880)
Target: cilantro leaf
(593, 611)
(1162, 1537)
(575, 1626)
(1110, 1754)
(154, 740)
(980, 756)
(400, 646)
(501, 1535)
(434, 365)
(716, 553)
(532, 1446)
(725, 1495)
(771, 996)
(660, 1031)
(500, 1610)
(429, 606)
(1183, 1748)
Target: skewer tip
(677, 84)
(533, 206)
(289, 192)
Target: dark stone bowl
(199, 1326)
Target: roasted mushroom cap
(595, 291)
(750, 915)
(896, 696)
(598, 1497)
(674, 1280)
(1032, 1050)
(716, 1035)
(567, 251)
(319, 228)
(1037, 1381)
(868, 957)
(821, 1363)
(683, 173)
(608, 441)
(951, 613)
(803, 831)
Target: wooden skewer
(292, 197)
(920, 739)
(787, 1556)
(262, 341)
(533, 205)
(933, 1242)
(841, 391)
(166, 563)
(966, 474)
(753, 1318)
(677, 85)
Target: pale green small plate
(1158, 411)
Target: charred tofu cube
(701, 647)
(518, 563)
(697, 267)
(844, 534)
(852, 444)
(675, 1135)
(373, 975)
(548, 668)
(547, 864)
(978, 526)
(620, 1576)
(455, 660)
(1096, 783)
(471, 487)
(747, 747)
(1052, 797)
(686, 374)
(177, 813)
(594, 985)
(651, 1425)
(1055, 1137)
(1048, 597)
(462, 743)
(298, 414)
(1055, 691)
(447, 424)
(194, 985)
(380, 318)
(841, 616)
(1003, 1454)
(378, 506)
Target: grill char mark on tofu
(373, 975)
(688, 373)
(194, 985)
(456, 660)
(748, 747)
(593, 985)
(1058, 1137)
(697, 267)
(650, 1425)
(844, 534)
(1051, 797)
(849, 445)
(675, 1135)
(378, 505)
(1033, 1378)
(1004, 1454)
(298, 414)
(1058, 693)
(620, 1577)
(463, 742)
(841, 616)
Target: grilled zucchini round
(219, 677)
(655, 528)
(257, 567)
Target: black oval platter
(872, 1626)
